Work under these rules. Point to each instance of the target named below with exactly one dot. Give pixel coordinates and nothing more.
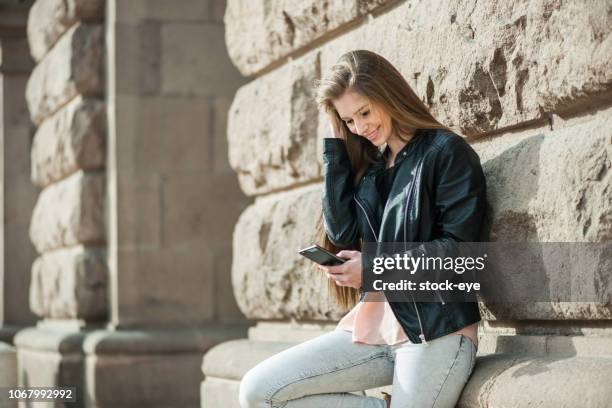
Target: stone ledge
(232, 359)
(517, 380)
(166, 363)
(288, 332)
(40, 339)
(8, 366)
(153, 341)
(510, 380)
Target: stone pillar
(17, 194)
(69, 277)
(172, 200)
(133, 223)
(528, 84)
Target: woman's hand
(332, 118)
(349, 273)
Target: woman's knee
(252, 392)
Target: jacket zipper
(367, 218)
(408, 197)
(371, 228)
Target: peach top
(373, 322)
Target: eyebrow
(344, 118)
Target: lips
(372, 135)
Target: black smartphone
(321, 256)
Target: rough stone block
(261, 32)
(203, 68)
(74, 65)
(70, 212)
(477, 85)
(483, 66)
(72, 139)
(553, 186)
(273, 280)
(49, 19)
(70, 283)
(272, 127)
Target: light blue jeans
(322, 372)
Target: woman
(427, 185)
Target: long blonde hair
(376, 79)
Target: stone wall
(528, 83)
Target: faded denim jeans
(323, 371)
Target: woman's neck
(396, 144)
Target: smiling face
(363, 118)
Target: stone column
(69, 277)
(17, 194)
(133, 223)
(171, 203)
(527, 84)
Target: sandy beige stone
(70, 283)
(262, 31)
(69, 212)
(514, 71)
(74, 66)
(271, 280)
(272, 129)
(482, 66)
(71, 139)
(49, 19)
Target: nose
(361, 127)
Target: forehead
(348, 103)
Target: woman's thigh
(432, 375)
(330, 363)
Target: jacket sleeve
(460, 193)
(459, 188)
(339, 216)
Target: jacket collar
(406, 150)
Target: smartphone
(321, 256)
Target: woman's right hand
(332, 118)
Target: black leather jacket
(438, 194)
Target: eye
(365, 113)
(348, 122)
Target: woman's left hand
(349, 273)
